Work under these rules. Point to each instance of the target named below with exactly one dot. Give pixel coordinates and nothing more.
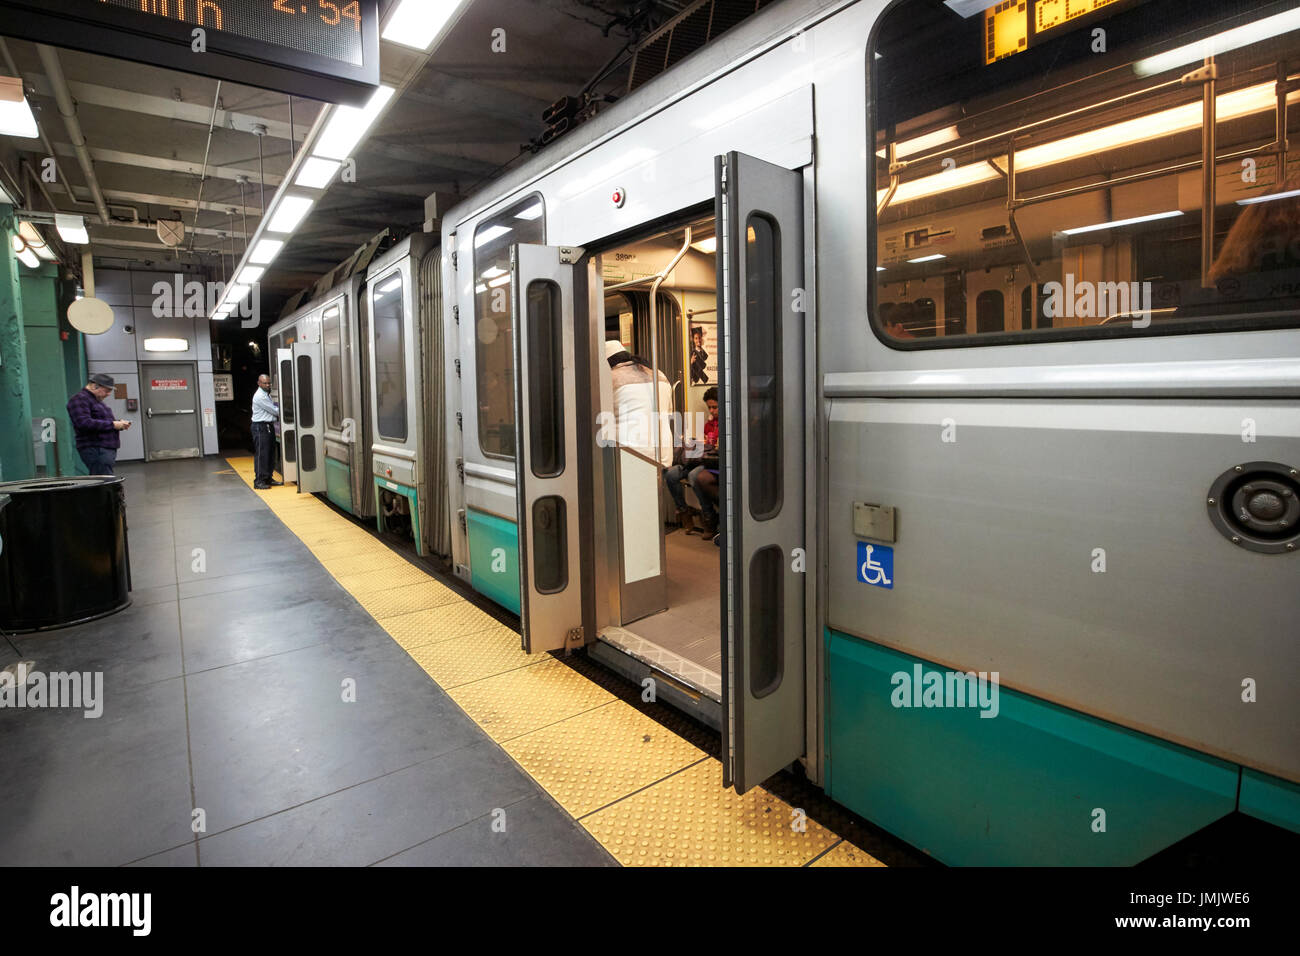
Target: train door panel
(552, 412)
(310, 431)
(288, 418)
(760, 288)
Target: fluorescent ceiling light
(910, 147)
(707, 246)
(417, 23)
(317, 173)
(1179, 119)
(497, 283)
(235, 295)
(487, 235)
(24, 253)
(166, 345)
(72, 229)
(1233, 39)
(394, 283)
(532, 212)
(880, 268)
(932, 258)
(16, 117)
(492, 273)
(249, 275)
(265, 251)
(291, 211)
(480, 288)
(1121, 222)
(349, 124)
(1269, 198)
(36, 242)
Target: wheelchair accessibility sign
(876, 565)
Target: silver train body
(1029, 516)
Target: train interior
(667, 606)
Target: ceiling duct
(687, 32)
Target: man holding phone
(95, 427)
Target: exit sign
(319, 49)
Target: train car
(1004, 298)
(319, 359)
(407, 415)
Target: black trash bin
(63, 551)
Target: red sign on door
(170, 384)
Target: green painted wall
(47, 366)
(17, 456)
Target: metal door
(761, 447)
(288, 428)
(552, 414)
(171, 410)
(308, 408)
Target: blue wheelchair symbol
(876, 565)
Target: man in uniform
(265, 414)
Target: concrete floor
(223, 692)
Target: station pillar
(17, 453)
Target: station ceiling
(169, 145)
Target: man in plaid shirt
(95, 427)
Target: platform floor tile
(431, 625)
(845, 853)
(472, 657)
(521, 701)
(589, 761)
(690, 820)
(404, 600)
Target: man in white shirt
(265, 414)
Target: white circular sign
(91, 316)
(487, 331)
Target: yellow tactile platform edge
(650, 797)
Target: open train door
(310, 430)
(288, 428)
(554, 429)
(760, 298)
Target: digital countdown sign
(320, 49)
(1013, 26)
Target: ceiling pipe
(62, 96)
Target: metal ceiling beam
(163, 107)
(176, 202)
(119, 158)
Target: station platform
(286, 689)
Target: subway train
(1001, 303)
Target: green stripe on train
(1031, 786)
(338, 483)
(494, 557)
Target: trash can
(63, 552)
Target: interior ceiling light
(348, 124)
(16, 117)
(487, 235)
(317, 173)
(1253, 200)
(24, 253)
(290, 213)
(1245, 102)
(418, 23)
(934, 258)
(1122, 222)
(497, 283)
(531, 213)
(72, 229)
(265, 251)
(235, 294)
(36, 242)
(968, 8)
(707, 246)
(249, 275)
(1224, 42)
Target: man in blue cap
(94, 425)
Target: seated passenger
(690, 460)
(705, 479)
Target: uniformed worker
(265, 414)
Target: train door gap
(663, 582)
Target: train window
(550, 545)
(387, 318)
(286, 391)
(494, 349)
(763, 436)
(1124, 166)
(545, 379)
(306, 413)
(332, 351)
